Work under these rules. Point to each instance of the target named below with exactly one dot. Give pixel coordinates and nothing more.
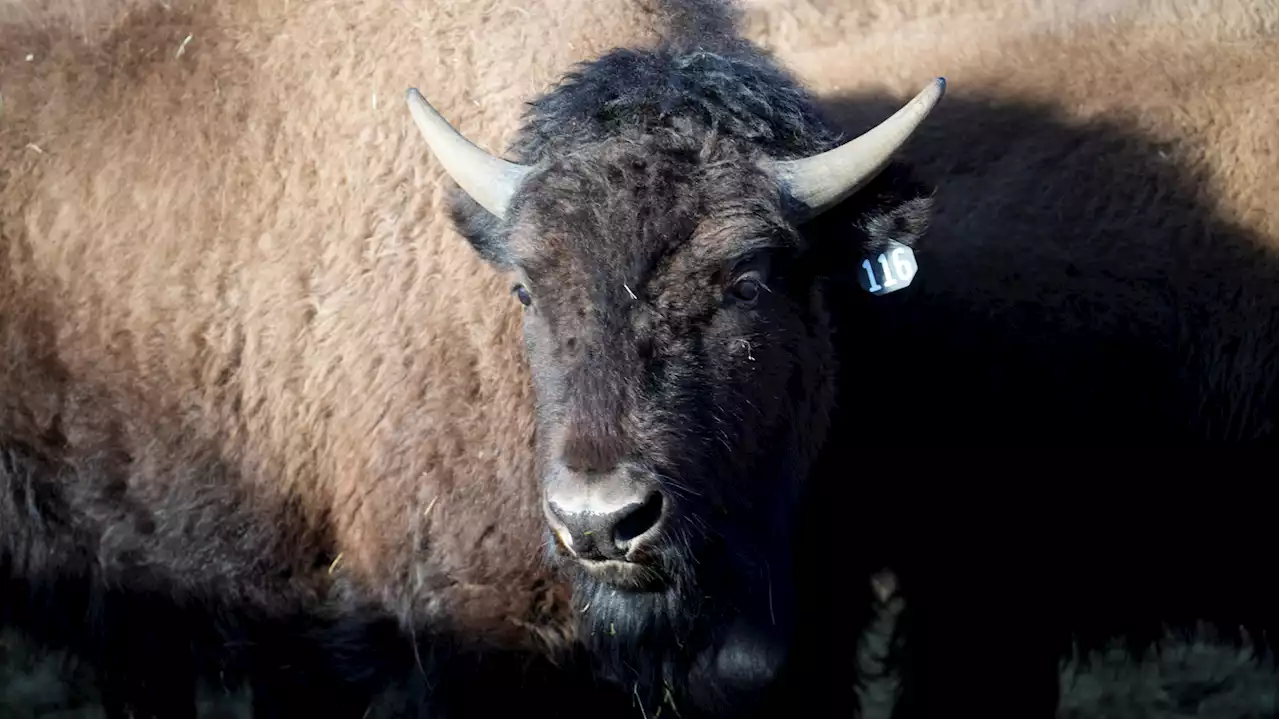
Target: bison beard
(683, 644)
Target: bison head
(680, 344)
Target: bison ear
(895, 207)
(892, 211)
(481, 228)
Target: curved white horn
(491, 181)
(820, 182)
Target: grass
(1196, 678)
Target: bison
(263, 417)
(687, 236)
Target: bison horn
(489, 180)
(820, 182)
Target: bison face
(681, 355)
(678, 335)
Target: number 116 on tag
(889, 271)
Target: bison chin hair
(708, 641)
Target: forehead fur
(625, 209)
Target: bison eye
(522, 294)
(746, 288)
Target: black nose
(604, 516)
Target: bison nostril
(639, 521)
(602, 517)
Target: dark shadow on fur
(1074, 287)
(150, 634)
(1077, 293)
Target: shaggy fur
(260, 409)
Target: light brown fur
(243, 242)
